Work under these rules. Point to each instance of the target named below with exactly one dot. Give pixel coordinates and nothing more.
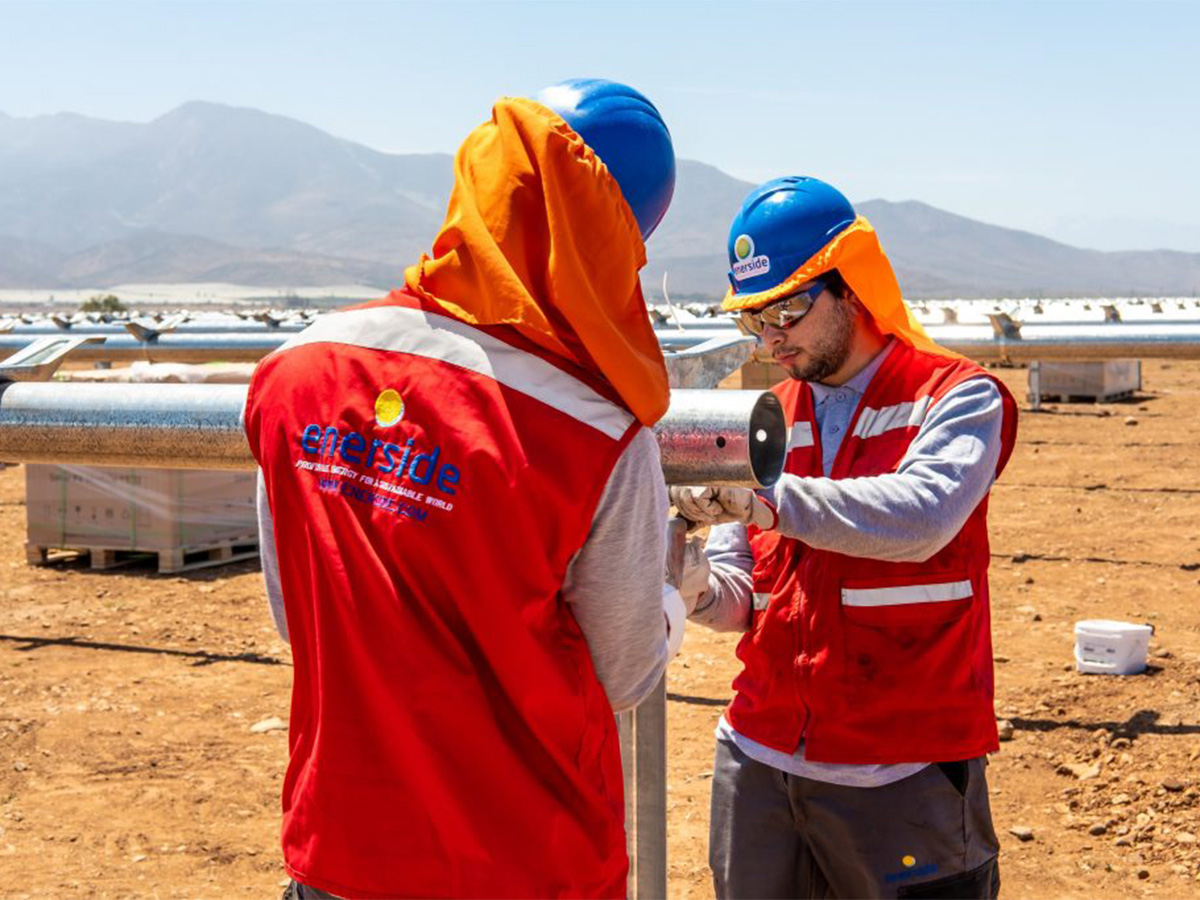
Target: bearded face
(819, 344)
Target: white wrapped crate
(185, 516)
(1095, 381)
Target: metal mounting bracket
(1005, 326)
(148, 330)
(142, 331)
(706, 365)
(41, 359)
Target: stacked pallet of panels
(186, 518)
(1099, 381)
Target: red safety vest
(871, 661)
(430, 482)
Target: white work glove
(714, 505)
(675, 611)
(693, 584)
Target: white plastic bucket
(1106, 647)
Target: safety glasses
(784, 312)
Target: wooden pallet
(1087, 398)
(180, 559)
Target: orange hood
(539, 237)
(856, 254)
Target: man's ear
(861, 312)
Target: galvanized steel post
(706, 437)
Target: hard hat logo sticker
(389, 408)
(748, 265)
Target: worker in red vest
(463, 519)
(851, 760)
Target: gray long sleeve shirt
(906, 515)
(614, 583)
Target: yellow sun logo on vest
(389, 408)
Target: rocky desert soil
(142, 717)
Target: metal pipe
(181, 348)
(673, 339)
(706, 437)
(1046, 341)
(1071, 342)
(1112, 340)
(182, 426)
(643, 736)
(235, 326)
(244, 346)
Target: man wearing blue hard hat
(462, 486)
(851, 760)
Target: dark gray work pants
(297, 891)
(775, 835)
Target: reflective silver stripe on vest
(909, 593)
(800, 435)
(874, 422)
(429, 335)
(760, 600)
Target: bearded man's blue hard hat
(782, 224)
(628, 134)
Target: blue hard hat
(780, 226)
(628, 134)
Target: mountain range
(216, 193)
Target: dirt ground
(129, 765)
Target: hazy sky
(1077, 120)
